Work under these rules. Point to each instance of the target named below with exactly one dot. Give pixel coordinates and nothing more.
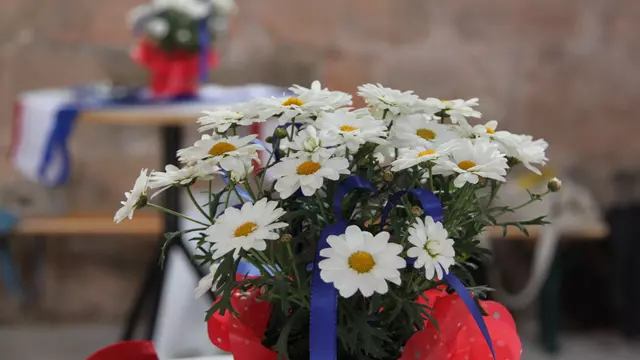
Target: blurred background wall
(567, 71)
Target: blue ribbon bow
(324, 300)
(323, 328)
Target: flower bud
(554, 184)
(286, 238)
(417, 211)
(280, 133)
(387, 176)
(269, 139)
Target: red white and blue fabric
(44, 121)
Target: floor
(77, 342)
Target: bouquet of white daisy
(351, 239)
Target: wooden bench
(144, 224)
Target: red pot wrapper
(172, 73)
(127, 350)
(456, 338)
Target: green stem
(168, 211)
(295, 268)
(321, 205)
(193, 200)
(235, 189)
(211, 207)
(249, 190)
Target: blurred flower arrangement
(349, 235)
(176, 41)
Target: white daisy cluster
(398, 138)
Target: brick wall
(567, 71)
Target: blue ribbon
(203, 42)
(323, 326)
(467, 299)
(432, 207)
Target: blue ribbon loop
(323, 322)
(432, 206)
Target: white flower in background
(419, 155)
(157, 27)
(418, 130)
(175, 176)
(351, 130)
(433, 250)
(335, 99)
(309, 143)
(487, 130)
(135, 199)
(524, 149)
(246, 228)
(471, 160)
(306, 174)
(223, 7)
(300, 107)
(359, 261)
(213, 149)
(222, 119)
(183, 35)
(193, 8)
(206, 284)
(458, 110)
(382, 98)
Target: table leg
(549, 311)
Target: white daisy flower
(524, 149)
(458, 110)
(135, 199)
(487, 130)
(359, 261)
(471, 160)
(300, 107)
(351, 130)
(391, 100)
(175, 176)
(246, 228)
(221, 120)
(419, 130)
(309, 143)
(335, 99)
(422, 154)
(206, 284)
(215, 149)
(433, 250)
(306, 174)
(238, 170)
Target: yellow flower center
(466, 164)
(308, 168)
(221, 148)
(426, 134)
(245, 229)
(293, 101)
(362, 262)
(348, 128)
(490, 130)
(426, 152)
